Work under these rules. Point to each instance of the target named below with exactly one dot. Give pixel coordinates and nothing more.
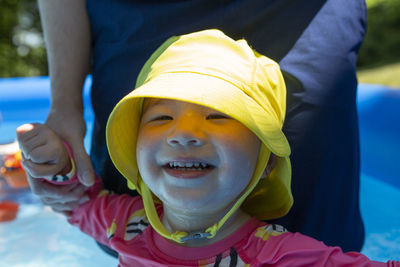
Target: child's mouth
(188, 170)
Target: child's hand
(43, 152)
(44, 155)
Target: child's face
(192, 157)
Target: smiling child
(200, 138)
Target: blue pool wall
(24, 100)
(27, 100)
(379, 120)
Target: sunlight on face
(192, 157)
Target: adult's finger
(63, 207)
(76, 194)
(83, 165)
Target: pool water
(40, 237)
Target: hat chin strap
(210, 232)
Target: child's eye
(161, 118)
(216, 116)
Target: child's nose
(186, 134)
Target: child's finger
(49, 154)
(26, 131)
(46, 190)
(40, 170)
(28, 138)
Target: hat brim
(206, 90)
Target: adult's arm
(68, 42)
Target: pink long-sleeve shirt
(119, 221)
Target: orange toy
(13, 172)
(8, 211)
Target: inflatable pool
(40, 237)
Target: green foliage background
(22, 51)
(382, 42)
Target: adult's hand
(61, 198)
(69, 124)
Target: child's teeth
(178, 164)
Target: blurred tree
(382, 41)
(22, 50)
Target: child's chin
(190, 203)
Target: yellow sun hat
(210, 69)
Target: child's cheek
(147, 149)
